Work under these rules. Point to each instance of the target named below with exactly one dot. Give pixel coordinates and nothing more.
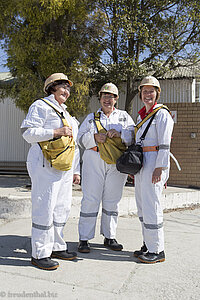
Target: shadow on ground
(16, 251)
(100, 252)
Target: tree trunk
(131, 92)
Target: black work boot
(65, 255)
(112, 244)
(83, 247)
(143, 250)
(151, 258)
(45, 263)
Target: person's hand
(156, 177)
(113, 133)
(100, 137)
(76, 178)
(63, 131)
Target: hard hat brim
(148, 84)
(56, 77)
(69, 81)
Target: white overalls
(101, 181)
(147, 193)
(51, 189)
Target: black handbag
(130, 162)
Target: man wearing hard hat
(103, 135)
(149, 181)
(47, 122)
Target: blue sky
(3, 61)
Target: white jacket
(41, 121)
(119, 120)
(159, 134)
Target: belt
(95, 149)
(150, 148)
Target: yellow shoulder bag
(59, 152)
(113, 148)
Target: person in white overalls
(101, 182)
(51, 188)
(149, 181)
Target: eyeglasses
(65, 86)
(106, 96)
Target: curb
(16, 202)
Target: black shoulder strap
(147, 128)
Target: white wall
(172, 91)
(13, 146)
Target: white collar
(113, 112)
(52, 99)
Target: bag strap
(60, 114)
(149, 116)
(97, 121)
(147, 128)
(152, 117)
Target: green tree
(46, 36)
(147, 37)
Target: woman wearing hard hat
(51, 187)
(104, 136)
(151, 178)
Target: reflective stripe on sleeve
(163, 147)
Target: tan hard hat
(109, 88)
(55, 77)
(150, 80)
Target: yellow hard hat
(150, 80)
(55, 77)
(109, 88)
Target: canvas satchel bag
(59, 152)
(113, 148)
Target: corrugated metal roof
(189, 71)
(192, 71)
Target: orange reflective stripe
(150, 148)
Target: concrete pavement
(101, 274)
(104, 274)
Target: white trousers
(149, 207)
(51, 203)
(101, 182)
